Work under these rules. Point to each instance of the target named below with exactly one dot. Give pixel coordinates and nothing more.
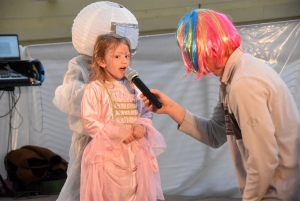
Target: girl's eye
(117, 56)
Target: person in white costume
(98, 18)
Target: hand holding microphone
(132, 76)
(170, 107)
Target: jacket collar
(230, 65)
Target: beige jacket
(264, 144)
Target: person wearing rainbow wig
(256, 113)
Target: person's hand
(169, 106)
(151, 107)
(129, 139)
(138, 131)
(165, 100)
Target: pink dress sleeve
(147, 148)
(90, 108)
(154, 137)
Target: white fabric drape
(187, 167)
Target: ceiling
(50, 21)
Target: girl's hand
(129, 139)
(138, 131)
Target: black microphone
(133, 76)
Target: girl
(119, 164)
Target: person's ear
(101, 63)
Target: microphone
(133, 76)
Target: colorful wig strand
(205, 38)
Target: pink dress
(111, 169)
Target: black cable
(10, 98)
(1, 95)
(13, 99)
(9, 92)
(16, 110)
(12, 102)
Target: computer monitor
(9, 47)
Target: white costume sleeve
(68, 96)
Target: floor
(52, 188)
(167, 198)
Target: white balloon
(103, 17)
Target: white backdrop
(187, 167)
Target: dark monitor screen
(9, 47)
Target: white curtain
(187, 167)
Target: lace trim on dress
(125, 111)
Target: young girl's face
(116, 62)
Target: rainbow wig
(205, 38)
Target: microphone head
(130, 73)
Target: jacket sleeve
(208, 131)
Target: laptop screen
(9, 47)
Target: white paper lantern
(103, 17)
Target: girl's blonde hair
(103, 44)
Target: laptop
(9, 48)
(13, 69)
